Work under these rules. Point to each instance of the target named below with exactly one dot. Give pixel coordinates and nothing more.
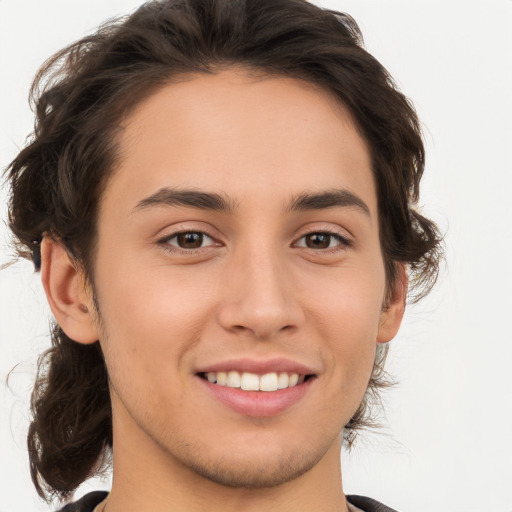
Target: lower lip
(258, 403)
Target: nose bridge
(259, 293)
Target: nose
(260, 296)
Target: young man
(220, 198)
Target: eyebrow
(191, 198)
(216, 202)
(328, 199)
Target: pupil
(190, 240)
(318, 241)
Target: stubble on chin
(248, 472)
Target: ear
(67, 294)
(393, 310)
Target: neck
(146, 478)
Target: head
(101, 105)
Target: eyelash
(164, 242)
(343, 242)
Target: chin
(247, 473)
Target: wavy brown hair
(81, 96)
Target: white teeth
(282, 381)
(252, 382)
(233, 380)
(268, 382)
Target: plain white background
(448, 442)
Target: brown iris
(190, 240)
(317, 240)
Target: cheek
(135, 293)
(151, 319)
(346, 314)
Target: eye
(189, 240)
(323, 240)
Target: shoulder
(368, 504)
(85, 504)
(91, 500)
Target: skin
(254, 289)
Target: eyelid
(163, 240)
(344, 239)
(340, 235)
(186, 227)
(175, 235)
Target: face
(239, 277)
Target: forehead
(244, 135)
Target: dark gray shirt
(91, 500)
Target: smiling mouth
(247, 381)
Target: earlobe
(393, 312)
(64, 285)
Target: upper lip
(259, 366)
